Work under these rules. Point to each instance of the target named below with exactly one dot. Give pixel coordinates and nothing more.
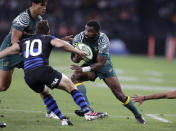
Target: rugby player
(22, 26)
(36, 51)
(100, 66)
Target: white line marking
(138, 87)
(128, 78)
(156, 117)
(42, 112)
(156, 80)
(153, 73)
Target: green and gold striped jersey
(24, 23)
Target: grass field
(23, 110)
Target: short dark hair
(39, 1)
(42, 27)
(94, 24)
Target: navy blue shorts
(41, 76)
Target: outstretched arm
(66, 46)
(14, 49)
(162, 95)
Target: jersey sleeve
(77, 38)
(49, 38)
(52, 37)
(103, 45)
(21, 21)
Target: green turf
(23, 110)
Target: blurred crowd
(118, 18)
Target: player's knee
(70, 86)
(44, 93)
(74, 77)
(67, 85)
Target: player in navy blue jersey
(22, 26)
(36, 51)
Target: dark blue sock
(82, 89)
(52, 105)
(80, 101)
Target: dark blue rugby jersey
(36, 51)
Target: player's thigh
(66, 84)
(5, 79)
(106, 71)
(113, 83)
(55, 79)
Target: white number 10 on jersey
(30, 48)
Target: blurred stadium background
(130, 21)
(131, 25)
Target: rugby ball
(87, 49)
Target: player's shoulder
(47, 36)
(79, 35)
(103, 37)
(41, 37)
(23, 18)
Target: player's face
(41, 8)
(90, 32)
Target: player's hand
(139, 99)
(76, 68)
(68, 38)
(82, 54)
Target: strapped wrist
(86, 69)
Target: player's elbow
(170, 96)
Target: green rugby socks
(129, 104)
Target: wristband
(86, 69)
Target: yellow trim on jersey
(77, 84)
(127, 101)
